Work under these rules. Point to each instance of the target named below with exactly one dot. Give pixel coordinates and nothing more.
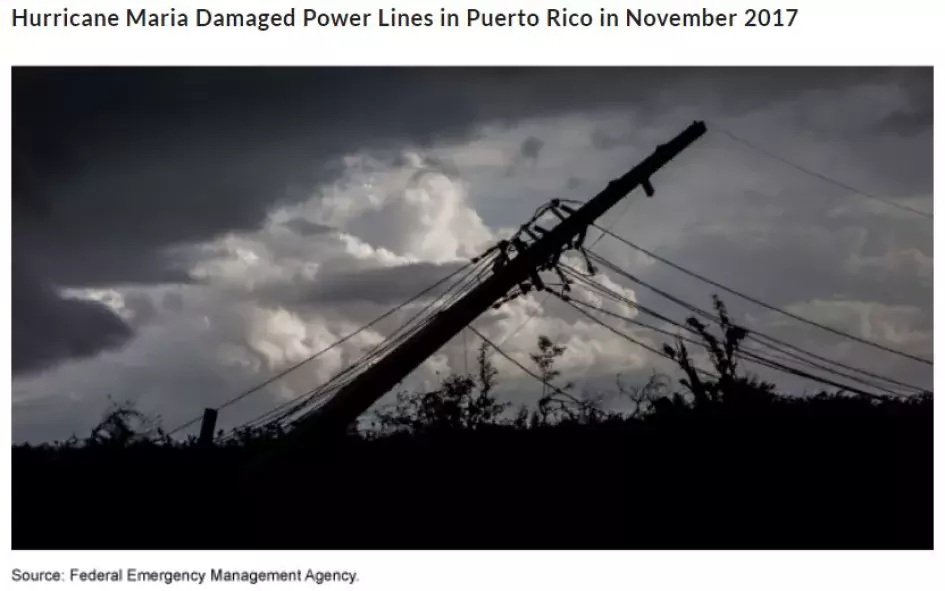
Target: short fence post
(207, 426)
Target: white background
(825, 32)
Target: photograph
(471, 308)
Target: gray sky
(179, 235)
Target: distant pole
(207, 426)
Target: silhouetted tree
(722, 462)
(643, 397)
(725, 385)
(461, 402)
(557, 403)
(123, 425)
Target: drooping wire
(759, 337)
(516, 362)
(746, 356)
(819, 175)
(455, 292)
(767, 306)
(750, 335)
(746, 353)
(403, 332)
(324, 350)
(754, 336)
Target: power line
(319, 393)
(415, 323)
(402, 333)
(758, 337)
(762, 338)
(628, 201)
(398, 336)
(750, 357)
(517, 267)
(821, 176)
(749, 354)
(808, 376)
(763, 304)
(273, 415)
(641, 344)
(315, 355)
(758, 359)
(516, 362)
(797, 356)
(607, 292)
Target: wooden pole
(335, 415)
(207, 426)
(356, 397)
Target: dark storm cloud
(112, 166)
(47, 327)
(143, 125)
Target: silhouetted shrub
(724, 462)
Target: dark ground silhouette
(719, 463)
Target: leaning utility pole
(352, 400)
